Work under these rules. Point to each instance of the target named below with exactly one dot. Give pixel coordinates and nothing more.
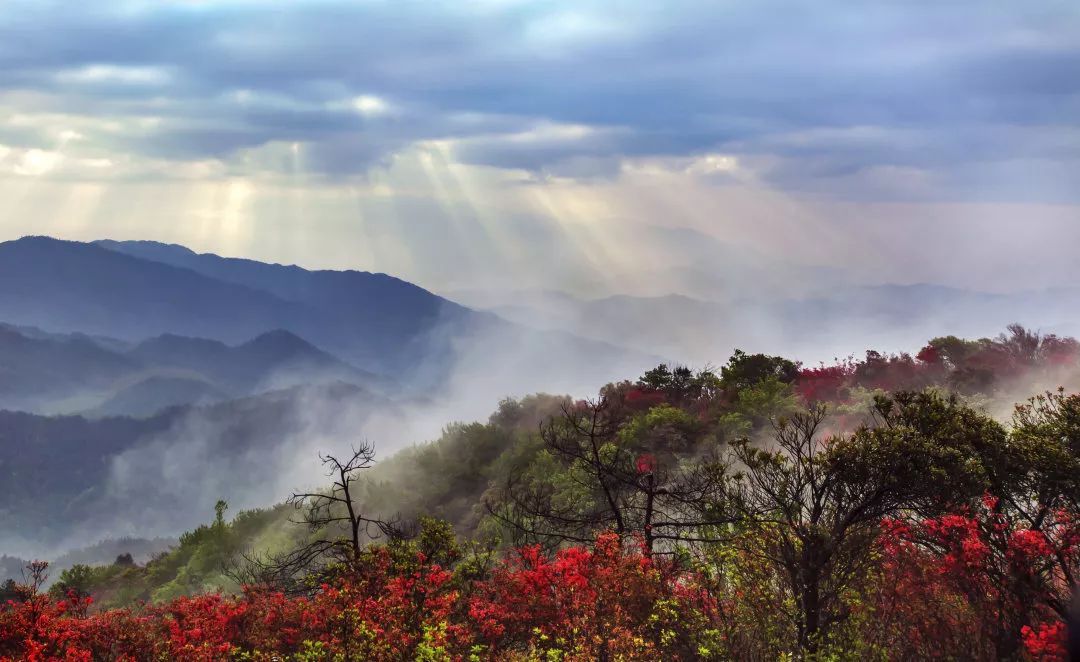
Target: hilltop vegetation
(891, 507)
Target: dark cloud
(829, 90)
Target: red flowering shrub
(824, 383)
(643, 398)
(587, 604)
(966, 584)
(645, 463)
(915, 613)
(1010, 575)
(575, 604)
(1045, 642)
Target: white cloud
(114, 74)
(711, 164)
(36, 162)
(369, 105)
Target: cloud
(104, 74)
(825, 97)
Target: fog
(254, 452)
(254, 436)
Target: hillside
(557, 518)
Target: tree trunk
(810, 600)
(650, 482)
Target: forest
(891, 507)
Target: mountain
(275, 357)
(72, 373)
(70, 286)
(371, 318)
(825, 325)
(153, 394)
(69, 479)
(354, 293)
(39, 367)
(133, 291)
(136, 290)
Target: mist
(255, 451)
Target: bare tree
(338, 528)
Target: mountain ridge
(71, 374)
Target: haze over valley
(161, 405)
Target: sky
(589, 147)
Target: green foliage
(945, 442)
(1046, 439)
(744, 371)
(663, 428)
(956, 351)
(196, 565)
(78, 578)
(681, 383)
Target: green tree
(78, 578)
(744, 371)
(602, 470)
(812, 505)
(681, 384)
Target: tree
(1028, 348)
(601, 470)
(77, 580)
(1015, 554)
(680, 384)
(744, 370)
(812, 505)
(339, 530)
(953, 351)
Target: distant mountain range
(75, 373)
(131, 291)
(140, 382)
(134, 291)
(816, 327)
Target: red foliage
(580, 602)
(1045, 642)
(640, 398)
(645, 463)
(944, 587)
(1010, 575)
(824, 383)
(929, 354)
